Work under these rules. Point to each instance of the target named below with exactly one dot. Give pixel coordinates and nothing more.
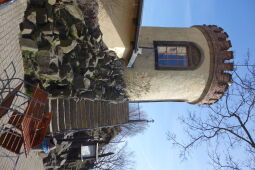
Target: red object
(3, 1)
(11, 141)
(16, 120)
(33, 124)
(7, 102)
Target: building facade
(119, 20)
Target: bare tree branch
(228, 124)
(120, 160)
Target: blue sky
(236, 17)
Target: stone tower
(166, 64)
(180, 64)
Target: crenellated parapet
(220, 78)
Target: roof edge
(138, 27)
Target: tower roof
(220, 68)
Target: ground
(10, 16)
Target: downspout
(137, 50)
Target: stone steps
(72, 113)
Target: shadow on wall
(123, 14)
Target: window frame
(188, 45)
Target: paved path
(11, 16)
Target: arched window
(176, 55)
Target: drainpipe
(135, 53)
(137, 50)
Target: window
(176, 55)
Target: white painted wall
(144, 83)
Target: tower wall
(117, 23)
(144, 83)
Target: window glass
(161, 49)
(172, 56)
(182, 50)
(171, 50)
(176, 55)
